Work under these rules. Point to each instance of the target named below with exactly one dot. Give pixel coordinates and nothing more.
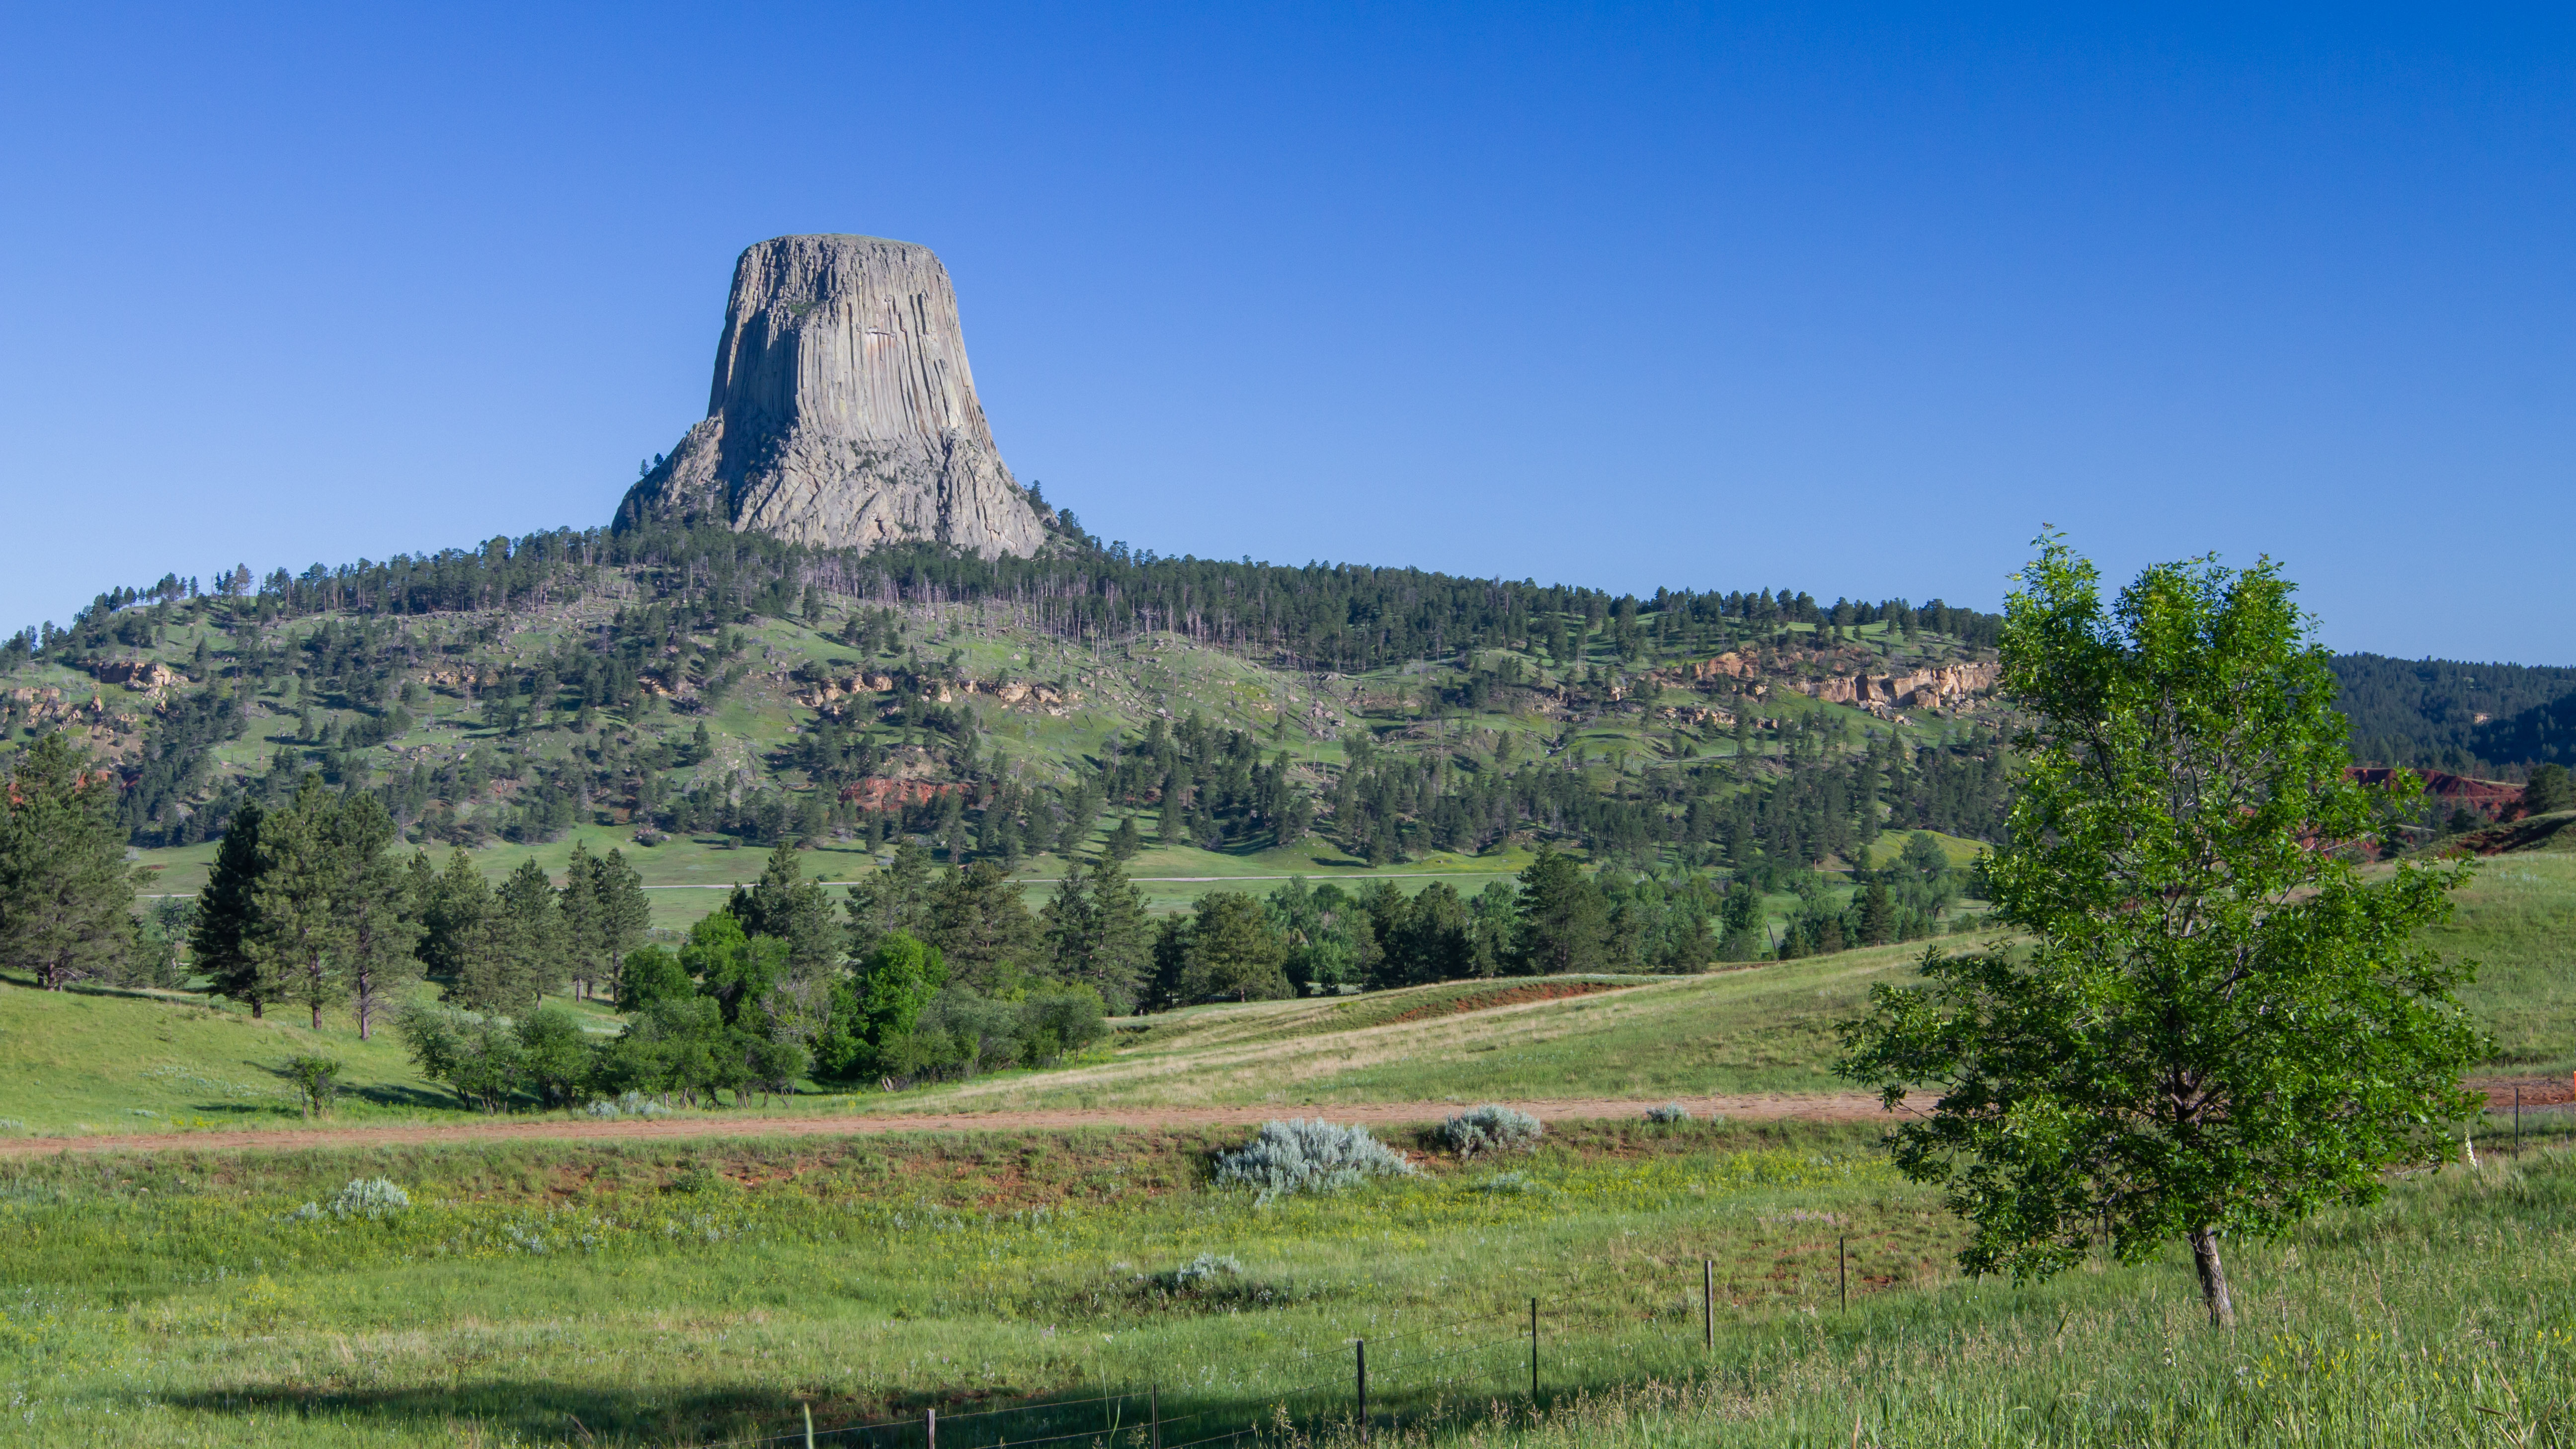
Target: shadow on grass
(547, 1412)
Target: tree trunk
(2213, 1277)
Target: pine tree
(296, 935)
(577, 905)
(1125, 841)
(625, 916)
(379, 915)
(66, 894)
(456, 923)
(525, 959)
(218, 942)
(1564, 923)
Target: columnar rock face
(843, 413)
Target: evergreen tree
(577, 912)
(894, 898)
(625, 915)
(456, 920)
(1124, 841)
(296, 930)
(787, 906)
(378, 913)
(519, 957)
(1233, 951)
(1877, 913)
(219, 941)
(66, 893)
(982, 928)
(1097, 933)
(1564, 924)
(2548, 791)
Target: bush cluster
(1308, 1156)
(1489, 1128)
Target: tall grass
(671, 1295)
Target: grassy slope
(74, 1060)
(679, 1293)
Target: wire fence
(1359, 1384)
(1554, 1340)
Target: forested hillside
(726, 684)
(2469, 719)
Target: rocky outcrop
(1922, 688)
(842, 413)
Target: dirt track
(1838, 1107)
(1830, 1107)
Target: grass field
(107, 1062)
(696, 1293)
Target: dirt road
(1838, 1107)
(1830, 1107)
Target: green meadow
(716, 1291)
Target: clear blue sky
(1848, 303)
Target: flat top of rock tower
(836, 236)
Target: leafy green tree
(555, 1057)
(651, 973)
(2219, 1024)
(316, 1081)
(66, 893)
(477, 1056)
(890, 988)
(1564, 923)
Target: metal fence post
(1154, 1410)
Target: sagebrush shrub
(1489, 1128)
(1668, 1113)
(1202, 1270)
(372, 1198)
(1308, 1156)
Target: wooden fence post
(930, 1428)
(1842, 1270)
(1708, 1303)
(1360, 1347)
(1533, 1355)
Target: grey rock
(843, 413)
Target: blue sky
(1851, 302)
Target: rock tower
(843, 413)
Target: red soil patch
(1511, 996)
(876, 793)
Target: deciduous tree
(2218, 1024)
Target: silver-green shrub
(1308, 1156)
(1489, 1128)
(372, 1198)
(1668, 1114)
